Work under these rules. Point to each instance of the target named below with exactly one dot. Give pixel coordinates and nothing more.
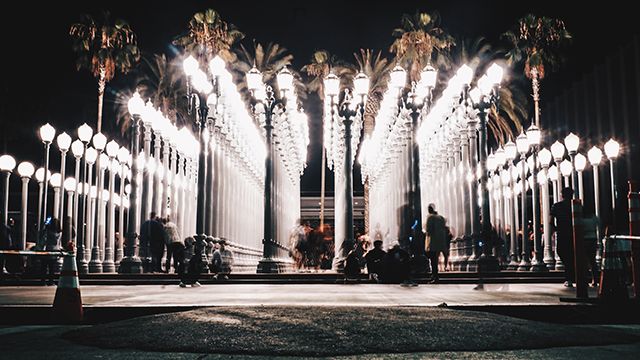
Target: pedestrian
(352, 265)
(298, 245)
(222, 260)
(561, 212)
(175, 246)
(52, 238)
(6, 243)
(590, 224)
(373, 259)
(436, 240)
(395, 265)
(152, 233)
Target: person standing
(590, 224)
(436, 240)
(152, 233)
(223, 260)
(52, 238)
(175, 246)
(561, 212)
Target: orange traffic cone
(67, 305)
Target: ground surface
(296, 294)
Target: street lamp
(42, 185)
(85, 133)
(91, 156)
(595, 158)
(108, 265)
(269, 105)
(56, 183)
(70, 186)
(7, 164)
(123, 157)
(99, 142)
(612, 150)
(77, 149)
(545, 157)
(572, 142)
(25, 170)
(47, 133)
(64, 142)
(510, 152)
(522, 143)
(533, 136)
(566, 169)
(580, 162)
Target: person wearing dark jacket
(374, 259)
(561, 211)
(152, 233)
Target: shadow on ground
(321, 331)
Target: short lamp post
(25, 170)
(64, 142)
(612, 150)
(47, 133)
(7, 164)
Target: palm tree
(104, 48)
(536, 40)
(322, 63)
(209, 35)
(377, 68)
(417, 38)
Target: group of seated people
(388, 267)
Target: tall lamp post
(522, 142)
(268, 105)
(85, 132)
(595, 158)
(109, 265)
(47, 133)
(483, 98)
(612, 150)
(25, 170)
(572, 142)
(131, 263)
(77, 149)
(510, 152)
(95, 265)
(533, 136)
(7, 164)
(56, 183)
(544, 156)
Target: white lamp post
(123, 158)
(91, 155)
(533, 136)
(56, 183)
(544, 156)
(7, 164)
(25, 170)
(612, 150)
(85, 132)
(47, 133)
(70, 186)
(77, 149)
(572, 142)
(64, 142)
(580, 162)
(40, 175)
(108, 265)
(511, 151)
(522, 143)
(595, 158)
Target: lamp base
(270, 266)
(130, 265)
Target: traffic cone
(67, 304)
(612, 284)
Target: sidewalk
(296, 294)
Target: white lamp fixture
(612, 149)
(77, 149)
(544, 156)
(7, 163)
(522, 143)
(70, 184)
(99, 141)
(580, 162)
(26, 169)
(47, 133)
(361, 84)
(533, 135)
(510, 150)
(398, 77)
(495, 74)
(85, 132)
(428, 77)
(190, 65)
(595, 156)
(566, 168)
(136, 104)
(572, 142)
(285, 79)
(465, 74)
(217, 66)
(557, 150)
(64, 141)
(254, 79)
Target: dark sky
(40, 83)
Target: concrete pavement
(296, 294)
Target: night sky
(40, 83)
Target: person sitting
(395, 265)
(373, 259)
(222, 260)
(191, 275)
(351, 266)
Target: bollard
(634, 229)
(579, 256)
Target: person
(395, 265)
(561, 212)
(436, 240)
(152, 233)
(189, 244)
(373, 259)
(590, 224)
(223, 260)
(192, 273)
(175, 246)
(297, 244)
(352, 265)
(52, 238)
(6, 243)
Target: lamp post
(266, 103)
(488, 86)
(77, 149)
(70, 187)
(25, 170)
(511, 151)
(7, 164)
(595, 158)
(95, 265)
(414, 102)
(566, 169)
(131, 263)
(533, 136)
(123, 158)
(64, 142)
(47, 133)
(580, 162)
(544, 156)
(85, 132)
(522, 142)
(56, 183)
(572, 142)
(108, 265)
(612, 150)
(40, 175)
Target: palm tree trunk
(102, 82)
(536, 95)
